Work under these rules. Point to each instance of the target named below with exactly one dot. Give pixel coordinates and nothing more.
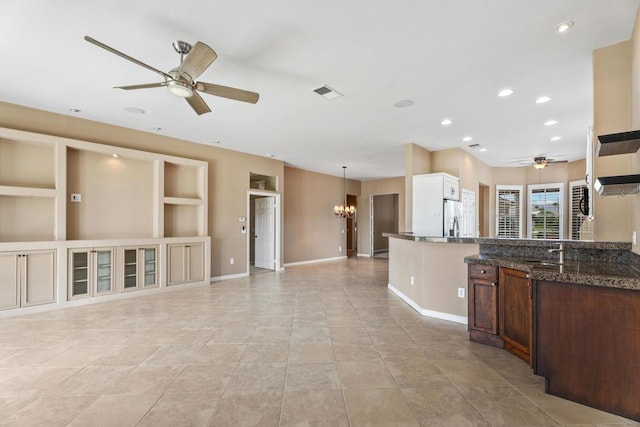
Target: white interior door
(468, 214)
(265, 232)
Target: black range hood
(617, 185)
(618, 143)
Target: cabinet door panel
(79, 274)
(484, 311)
(39, 278)
(176, 265)
(516, 312)
(130, 269)
(149, 260)
(9, 297)
(104, 271)
(196, 262)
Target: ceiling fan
(540, 162)
(181, 80)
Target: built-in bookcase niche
(27, 219)
(28, 165)
(184, 201)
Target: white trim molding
(229, 277)
(425, 312)
(315, 261)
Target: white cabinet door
(38, 277)
(9, 289)
(185, 263)
(91, 272)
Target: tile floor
(322, 344)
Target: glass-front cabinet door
(130, 280)
(150, 260)
(79, 285)
(104, 270)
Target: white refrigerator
(437, 211)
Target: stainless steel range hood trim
(617, 185)
(618, 143)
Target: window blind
(508, 211)
(545, 212)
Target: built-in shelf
(183, 201)
(618, 143)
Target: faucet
(560, 250)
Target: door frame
(276, 231)
(371, 218)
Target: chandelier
(344, 211)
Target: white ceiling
(450, 57)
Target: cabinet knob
(493, 284)
(483, 272)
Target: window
(509, 211)
(545, 211)
(581, 227)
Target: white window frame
(554, 185)
(518, 188)
(572, 185)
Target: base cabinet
(91, 272)
(27, 278)
(139, 267)
(483, 305)
(516, 312)
(185, 263)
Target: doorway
(483, 210)
(263, 232)
(384, 219)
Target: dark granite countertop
(606, 274)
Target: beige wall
(612, 113)
(312, 232)
(228, 172)
(369, 188)
(635, 115)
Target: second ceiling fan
(181, 81)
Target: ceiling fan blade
(198, 60)
(198, 104)
(228, 92)
(557, 161)
(127, 57)
(143, 86)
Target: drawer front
(483, 272)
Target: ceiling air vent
(327, 92)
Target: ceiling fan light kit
(180, 81)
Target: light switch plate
(76, 197)
(460, 292)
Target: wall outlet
(461, 292)
(339, 248)
(412, 281)
(76, 197)
(232, 261)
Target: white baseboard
(229, 277)
(314, 261)
(426, 312)
(364, 255)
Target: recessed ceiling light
(483, 149)
(543, 99)
(403, 103)
(467, 139)
(550, 122)
(563, 27)
(74, 110)
(116, 155)
(134, 110)
(505, 92)
(446, 122)
(556, 138)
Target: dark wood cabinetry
(483, 305)
(516, 312)
(588, 345)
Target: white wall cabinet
(27, 278)
(185, 263)
(91, 272)
(139, 267)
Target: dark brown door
(483, 306)
(516, 312)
